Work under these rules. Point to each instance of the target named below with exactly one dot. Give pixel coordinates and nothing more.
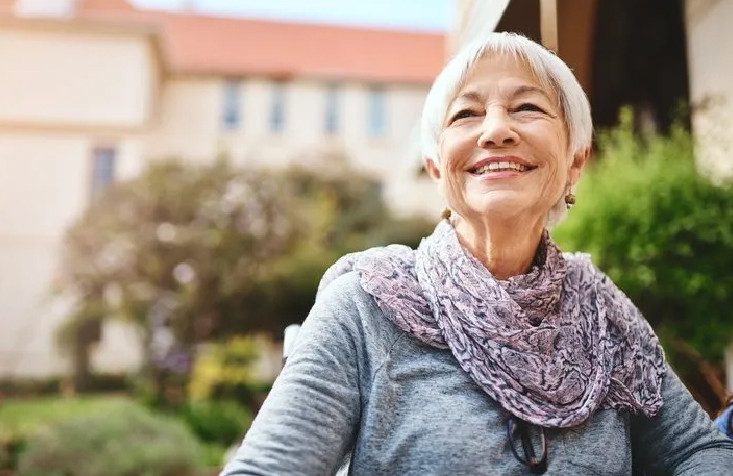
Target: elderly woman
(486, 350)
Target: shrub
(226, 371)
(20, 418)
(221, 422)
(662, 232)
(130, 441)
(29, 386)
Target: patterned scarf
(550, 346)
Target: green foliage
(129, 441)
(30, 386)
(342, 212)
(212, 455)
(661, 231)
(222, 369)
(199, 234)
(218, 422)
(224, 244)
(192, 253)
(20, 418)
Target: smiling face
(503, 150)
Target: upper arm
(681, 439)
(309, 420)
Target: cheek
(551, 144)
(456, 147)
(452, 183)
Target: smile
(502, 166)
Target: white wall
(710, 66)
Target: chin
(500, 204)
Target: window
(230, 105)
(332, 109)
(377, 118)
(277, 108)
(103, 168)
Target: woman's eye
(462, 114)
(528, 106)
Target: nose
(497, 130)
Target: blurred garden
(207, 261)
(209, 264)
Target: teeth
(500, 166)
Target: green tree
(168, 249)
(190, 253)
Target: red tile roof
(195, 44)
(104, 5)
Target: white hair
(550, 71)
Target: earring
(569, 199)
(445, 215)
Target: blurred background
(176, 175)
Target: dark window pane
(230, 105)
(332, 110)
(377, 126)
(277, 108)
(103, 168)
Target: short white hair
(550, 71)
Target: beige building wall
(66, 78)
(63, 93)
(710, 68)
(44, 187)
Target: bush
(109, 383)
(226, 371)
(20, 418)
(130, 441)
(662, 232)
(9, 452)
(30, 387)
(220, 422)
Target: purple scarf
(551, 346)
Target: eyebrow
(473, 96)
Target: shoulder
(344, 304)
(343, 291)
(343, 300)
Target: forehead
(502, 74)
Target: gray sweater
(359, 392)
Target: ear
(432, 169)
(579, 160)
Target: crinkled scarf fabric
(550, 346)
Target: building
(94, 89)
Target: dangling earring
(445, 215)
(569, 197)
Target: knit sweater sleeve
(308, 423)
(681, 439)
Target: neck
(506, 249)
